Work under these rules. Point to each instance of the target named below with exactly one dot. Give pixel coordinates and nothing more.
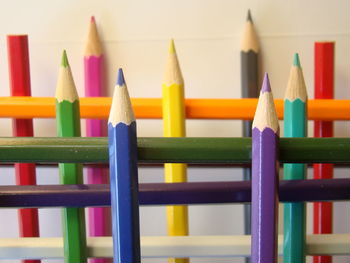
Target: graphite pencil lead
(249, 16)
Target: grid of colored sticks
(123, 150)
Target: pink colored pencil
(100, 217)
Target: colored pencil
(223, 151)
(151, 108)
(250, 89)
(68, 125)
(19, 71)
(167, 246)
(123, 176)
(174, 126)
(99, 217)
(324, 89)
(171, 194)
(295, 125)
(265, 136)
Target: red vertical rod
(324, 89)
(18, 60)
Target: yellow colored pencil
(174, 126)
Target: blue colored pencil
(123, 176)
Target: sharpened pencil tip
(172, 47)
(249, 16)
(64, 62)
(266, 84)
(296, 61)
(92, 19)
(120, 80)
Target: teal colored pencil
(295, 125)
(68, 125)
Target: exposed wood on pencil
(93, 46)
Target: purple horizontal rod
(175, 193)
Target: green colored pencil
(295, 125)
(68, 125)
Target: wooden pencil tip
(249, 16)
(64, 61)
(172, 47)
(266, 84)
(93, 45)
(120, 78)
(296, 60)
(121, 108)
(65, 86)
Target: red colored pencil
(18, 60)
(324, 89)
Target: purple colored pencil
(171, 194)
(265, 136)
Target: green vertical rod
(68, 125)
(295, 125)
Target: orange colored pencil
(151, 108)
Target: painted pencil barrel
(264, 193)
(124, 186)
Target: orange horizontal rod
(151, 108)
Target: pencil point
(65, 85)
(172, 47)
(93, 45)
(120, 79)
(173, 73)
(249, 16)
(64, 61)
(266, 84)
(296, 61)
(121, 108)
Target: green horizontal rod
(172, 150)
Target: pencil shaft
(295, 125)
(19, 70)
(264, 195)
(175, 194)
(124, 192)
(173, 110)
(173, 119)
(324, 88)
(99, 217)
(151, 108)
(250, 89)
(73, 219)
(175, 150)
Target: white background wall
(207, 33)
